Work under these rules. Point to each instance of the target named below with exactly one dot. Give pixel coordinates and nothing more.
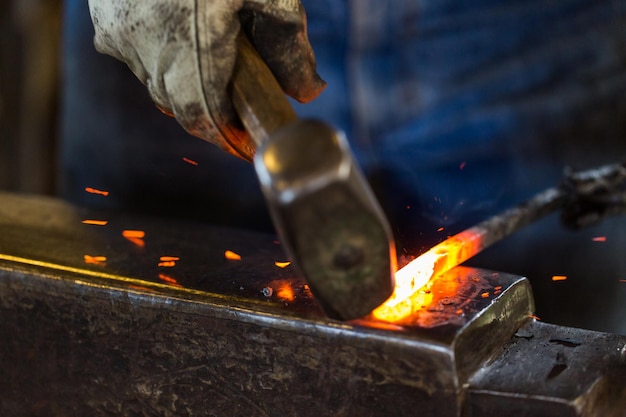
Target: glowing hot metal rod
(584, 196)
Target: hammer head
(327, 217)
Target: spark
(599, 239)
(441, 229)
(96, 222)
(137, 241)
(190, 161)
(168, 261)
(232, 256)
(138, 234)
(485, 295)
(284, 290)
(96, 260)
(168, 279)
(282, 264)
(96, 191)
(559, 277)
(135, 236)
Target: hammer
(323, 209)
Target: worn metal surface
(227, 339)
(547, 370)
(51, 233)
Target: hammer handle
(257, 97)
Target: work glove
(184, 52)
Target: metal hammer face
(331, 223)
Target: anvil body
(213, 336)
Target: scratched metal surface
(89, 339)
(51, 232)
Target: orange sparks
(135, 236)
(138, 234)
(137, 241)
(168, 261)
(96, 260)
(285, 293)
(284, 290)
(96, 191)
(599, 239)
(622, 280)
(407, 296)
(282, 264)
(485, 295)
(559, 277)
(441, 229)
(232, 256)
(530, 316)
(169, 280)
(190, 161)
(96, 222)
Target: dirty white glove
(184, 52)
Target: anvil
(94, 323)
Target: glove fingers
(279, 35)
(184, 51)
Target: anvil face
(209, 335)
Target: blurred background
(29, 94)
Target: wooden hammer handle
(257, 97)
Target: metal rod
(598, 185)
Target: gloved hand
(184, 52)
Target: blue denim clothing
(463, 108)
